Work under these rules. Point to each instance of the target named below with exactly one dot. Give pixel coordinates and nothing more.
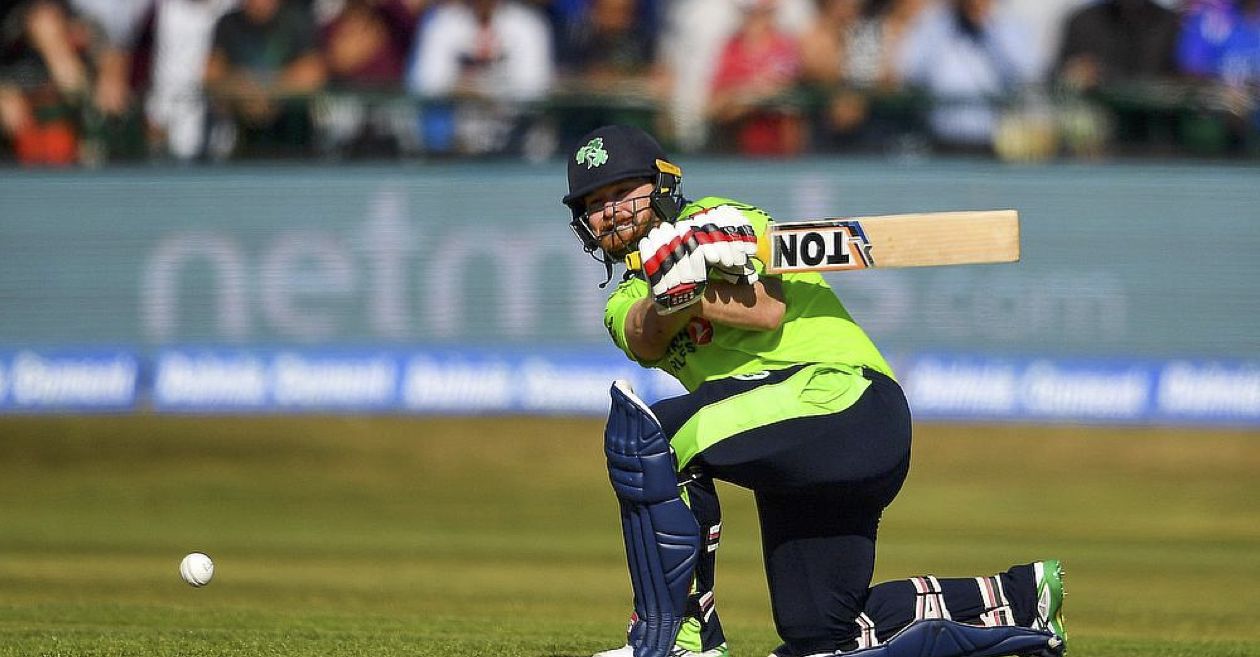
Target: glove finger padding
(691, 276)
(673, 266)
(716, 245)
(656, 253)
(721, 245)
(728, 241)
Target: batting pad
(662, 536)
(946, 638)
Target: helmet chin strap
(608, 267)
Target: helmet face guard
(665, 200)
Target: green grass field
(498, 537)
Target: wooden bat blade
(897, 240)
(901, 240)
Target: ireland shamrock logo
(593, 153)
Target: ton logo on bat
(833, 247)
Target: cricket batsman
(787, 397)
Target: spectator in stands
(756, 70)
(119, 25)
(366, 44)
(489, 59)
(264, 64)
(608, 44)
(568, 17)
(880, 40)
(1047, 21)
(827, 47)
(176, 107)
(1117, 40)
(43, 79)
(693, 35)
(609, 69)
(1220, 43)
(119, 34)
(848, 59)
(969, 57)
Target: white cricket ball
(197, 569)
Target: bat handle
(763, 248)
(634, 261)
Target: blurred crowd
(83, 81)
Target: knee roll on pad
(661, 534)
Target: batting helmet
(611, 154)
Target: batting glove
(674, 267)
(727, 240)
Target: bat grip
(634, 261)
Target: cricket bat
(878, 242)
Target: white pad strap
(929, 600)
(714, 537)
(707, 606)
(997, 608)
(867, 638)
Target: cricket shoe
(677, 651)
(1049, 575)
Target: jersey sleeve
(618, 308)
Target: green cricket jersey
(816, 327)
(816, 331)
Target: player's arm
(649, 331)
(756, 307)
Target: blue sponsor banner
(547, 381)
(1208, 392)
(209, 379)
(432, 381)
(85, 380)
(970, 388)
(245, 380)
(557, 381)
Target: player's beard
(625, 236)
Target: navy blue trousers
(821, 484)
